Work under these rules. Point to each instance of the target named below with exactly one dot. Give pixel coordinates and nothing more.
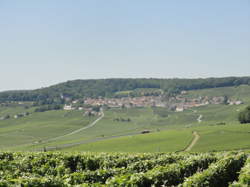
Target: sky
(47, 42)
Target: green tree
(244, 116)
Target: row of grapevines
(143, 166)
(103, 174)
(125, 160)
(49, 165)
(38, 162)
(218, 174)
(172, 174)
(73, 162)
(89, 169)
(244, 178)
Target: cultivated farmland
(144, 170)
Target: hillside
(120, 128)
(113, 87)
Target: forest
(58, 94)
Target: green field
(38, 127)
(212, 138)
(219, 128)
(223, 137)
(165, 141)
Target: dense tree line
(59, 93)
(45, 108)
(244, 116)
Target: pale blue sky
(51, 41)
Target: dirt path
(71, 133)
(199, 118)
(194, 141)
(62, 146)
(78, 130)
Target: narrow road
(71, 133)
(199, 118)
(194, 141)
(61, 146)
(78, 130)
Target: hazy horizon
(48, 42)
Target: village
(178, 103)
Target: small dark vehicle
(145, 131)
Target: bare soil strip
(199, 118)
(194, 141)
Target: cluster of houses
(91, 112)
(88, 111)
(235, 102)
(16, 116)
(185, 103)
(69, 107)
(21, 115)
(178, 103)
(127, 102)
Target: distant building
(19, 116)
(238, 102)
(75, 101)
(183, 92)
(68, 107)
(179, 109)
(235, 102)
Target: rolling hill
(110, 87)
(216, 124)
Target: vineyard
(122, 169)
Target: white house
(68, 107)
(179, 109)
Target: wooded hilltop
(94, 88)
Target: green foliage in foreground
(91, 169)
(244, 178)
(219, 173)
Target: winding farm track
(78, 130)
(71, 133)
(88, 141)
(199, 118)
(194, 141)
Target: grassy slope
(213, 137)
(39, 126)
(42, 126)
(228, 137)
(107, 127)
(141, 119)
(166, 141)
(224, 137)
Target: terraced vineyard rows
(117, 169)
